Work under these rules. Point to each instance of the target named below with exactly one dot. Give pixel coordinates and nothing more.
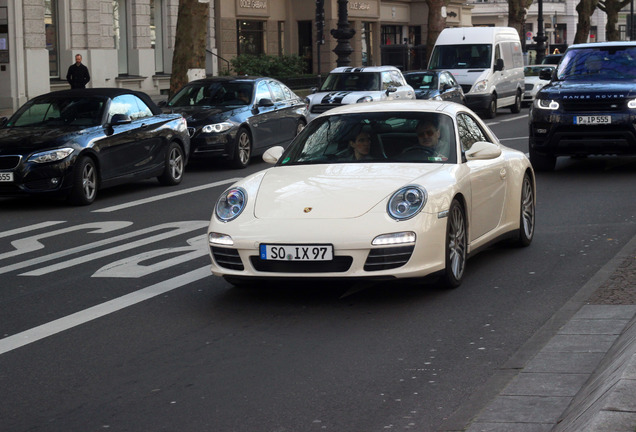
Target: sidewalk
(578, 373)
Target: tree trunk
(190, 41)
(436, 23)
(517, 15)
(585, 9)
(611, 9)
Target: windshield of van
(476, 56)
(598, 64)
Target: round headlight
(407, 202)
(230, 204)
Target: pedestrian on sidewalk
(77, 75)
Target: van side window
(498, 54)
(517, 56)
(469, 131)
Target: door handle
(502, 173)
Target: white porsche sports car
(379, 191)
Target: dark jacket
(77, 76)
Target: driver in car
(428, 134)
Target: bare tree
(585, 9)
(436, 23)
(190, 41)
(517, 15)
(611, 9)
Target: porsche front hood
(333, 191)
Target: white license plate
(6, 177)
(592, 120)
(296, 252)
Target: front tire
(456, 246)
(242, 149)
(527, 216)
(84, 189)
(491, 111)
(174, 166)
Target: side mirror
(272, 154)
(119, 119)
(482, 150)
(314, 90)
(499, 65)
(545, 74)
(446, 87)
(265, 102)
(391, 89)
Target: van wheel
(491, 111)
(516, 108)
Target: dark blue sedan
(238, 117)
(75, 142)
(436, 85)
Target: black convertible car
(75, 142)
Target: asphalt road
(110, 320)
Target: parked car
(428, 186)
(238, 117)
(436, 85)
(534, 83)
(75, 142)
(589, 106)
(348, 85)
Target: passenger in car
(361, 146)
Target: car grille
(593, 106)
(227, 258)
(466, 87)
(9, 162)
(339, 264)
(388, 258)
(321, 108)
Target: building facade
(129, 43)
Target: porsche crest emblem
(307, 209)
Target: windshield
(476, 56)
(355, 81)
(50, 112)
(531, 71)
(599, 64)
(422, 81)
(375, 137)
(214, 94)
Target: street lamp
(343, 34)
(540, 37)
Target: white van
(488, 64)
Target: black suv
(588, 108)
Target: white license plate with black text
(592, 120)
(296, 252)
(6, 177)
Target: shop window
(391, 35)
(281, 38)
(156, 32)
(120, 35)
(50, 29)
(251, 37)
(367, 44)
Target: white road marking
(165, 196)
(49, 329)
(176, 228)
(29, 228)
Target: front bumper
(478, 102)
(555, 133)
(38, 179)
(354, 255)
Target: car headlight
(407, 202)
(51, 155)
(631, 104)
(365, 99)
(480, 86)
(217, 127)
(546, 104)
(230, 204)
